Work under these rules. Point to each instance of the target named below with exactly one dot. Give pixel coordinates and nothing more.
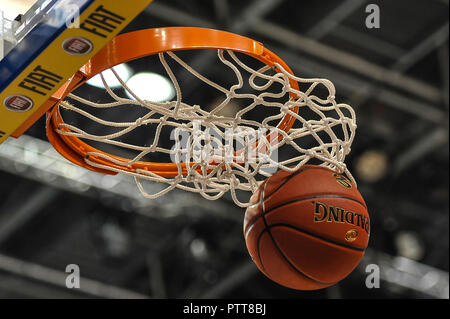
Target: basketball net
(216, 154)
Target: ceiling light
(151, 87)
(372, 166)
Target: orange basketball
(308, 229)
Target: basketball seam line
(294, 201)
(318, 237)
(279, 250)
(287, 179)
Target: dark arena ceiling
(184, 246)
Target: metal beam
(234, 279)
(58, 278)
(364, 40)
(429, 143)
(26, 209)
(407, 60)
(349, 61)
(334, 18)
(422, 49)
(349, 82)
(408, 273)
(251, 14)
(359, 89)
(438, 136)
(19, 287)
(176, 16)
(443, 61)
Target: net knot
(285, 109)
(231, 94)
(139, 121)
(310, 153)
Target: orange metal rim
(134, 45)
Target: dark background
(183, 246)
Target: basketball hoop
(229, 169)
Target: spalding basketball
(308, 229)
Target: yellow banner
(98, 24)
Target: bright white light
(151, 87)
(122, 70)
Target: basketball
(307, 230)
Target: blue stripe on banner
(36, 41)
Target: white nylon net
(226, 153)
